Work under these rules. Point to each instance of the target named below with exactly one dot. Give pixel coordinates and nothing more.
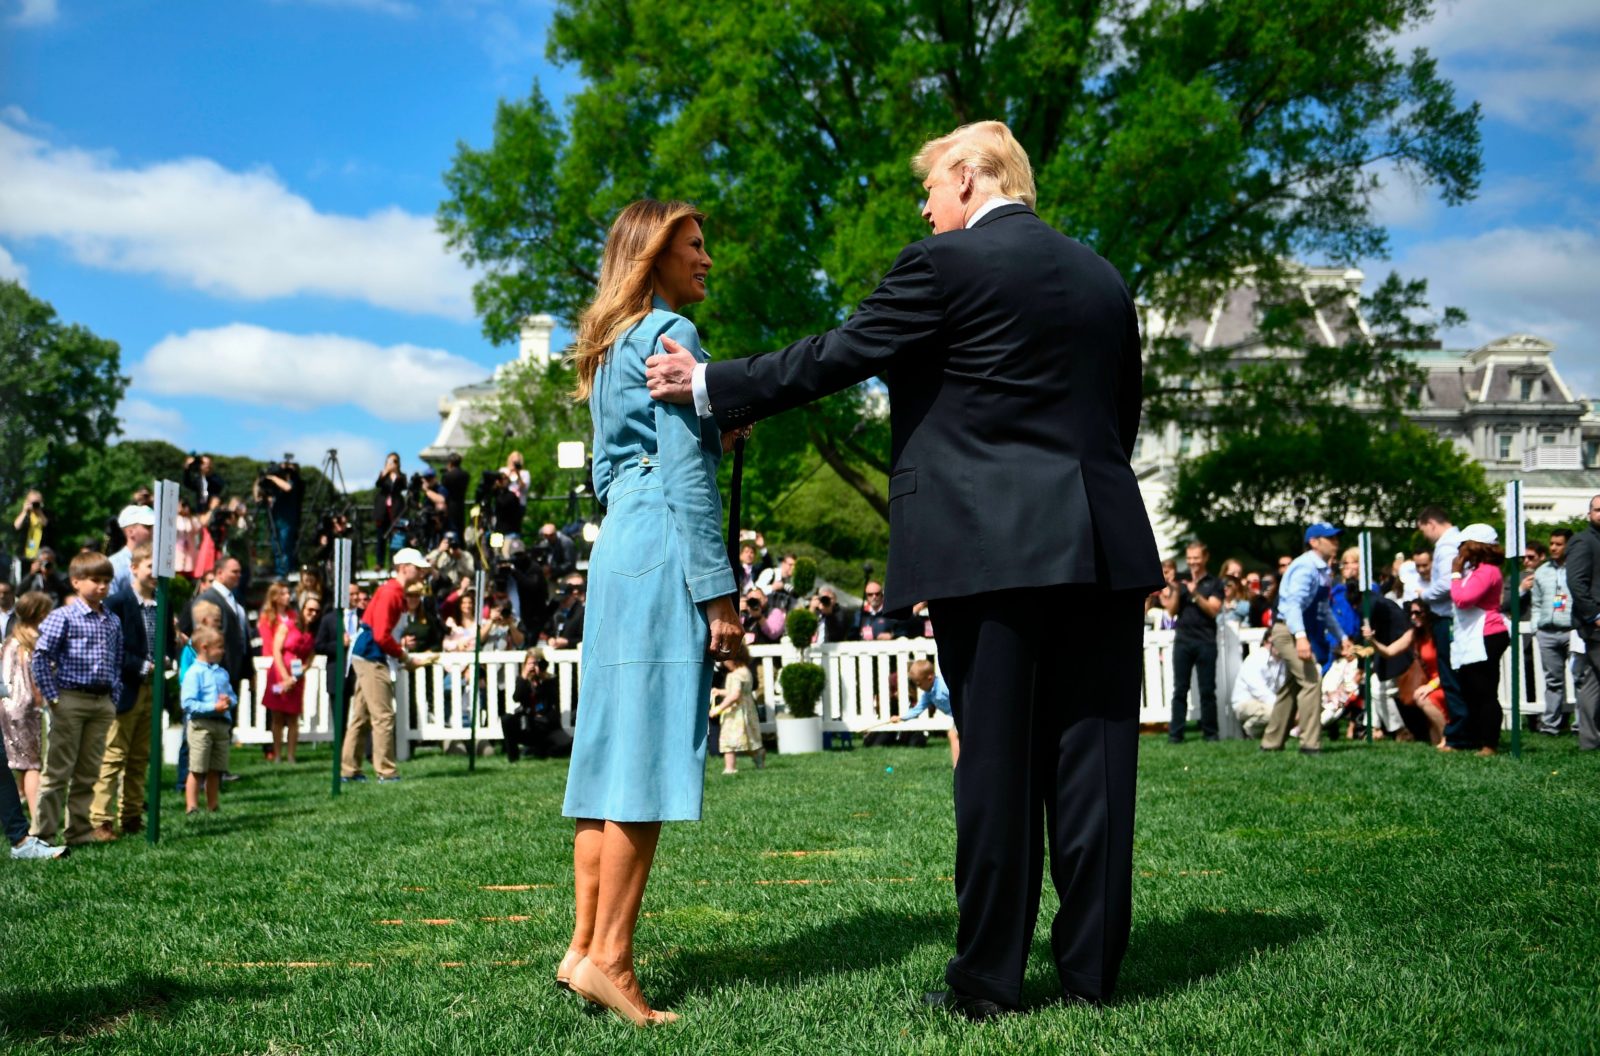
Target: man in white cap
(372, 707)
(138, 523)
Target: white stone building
(1504, 403)
(462, 408)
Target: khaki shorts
(209, 741)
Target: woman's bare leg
(1435, 723)
(276, 718)
(293, 722)
(586, 843)
(626, 854)
(29, 782)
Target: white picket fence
(863, 678)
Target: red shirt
(383, 612)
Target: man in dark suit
(1013, 362)
(119, 792)
(235, 624)
(1583, 579)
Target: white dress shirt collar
(990, 206)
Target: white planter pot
(799, 735)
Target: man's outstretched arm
(903, 313)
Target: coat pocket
(902, 483)
(637, 540)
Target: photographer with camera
(831, 624)
(44, 577)
(455, 483)
(762, 626)
(523, 577)
(200, 477)
(450, 562)
(388, 505)
(508, 509)
(428, 504)
(534, 727)
(565, 627)
(31, 525)
(562, 551)
(778, 583)
(283, 490)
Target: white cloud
(12, 268)
(143, 420)
(1528, 63)
(34, 13)
(234, 234)
(1537, 280)
(251, 364)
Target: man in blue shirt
(1303, 613)
(1435, 526)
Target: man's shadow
(1166, 955)
(862, 940)
(73, 1014)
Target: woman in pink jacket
(1479, 638)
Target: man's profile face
(1594, 512)
(136, 534)
(944, 208)
(1283, 564)
(8, 597)
(1558, 547)
(1325, 545)
(228, 574)
(747, 554)
(787, 567)
(1431, 530)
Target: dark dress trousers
(1013, 363)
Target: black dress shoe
(1070, 999)
(977, 1009)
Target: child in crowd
(208, 704)
(931, 692)
(204, 614)
(77, 667)
(735, 705)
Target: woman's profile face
(681, 269)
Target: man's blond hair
(1000, 165)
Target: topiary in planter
(802, 627)
(802, 688)
(805, 576)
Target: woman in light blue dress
(660, 596)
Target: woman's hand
(725, 626)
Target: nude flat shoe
(591, 983)
(564, 969)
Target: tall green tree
(1185, 141)
(59, 390)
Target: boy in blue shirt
(932, 692)
(208, 705)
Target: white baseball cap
(132, 515)
(410, 555)
(1480, 533)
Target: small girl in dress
(22, 711)
(735, 705)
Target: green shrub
(805, 576)
(802, 627)
(802, 687)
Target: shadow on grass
(1166, 955)
(74, 1014)
(861, 941)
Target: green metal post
(158, 713)
(477, 683)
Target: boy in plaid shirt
(77, 666)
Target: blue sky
(242, 195)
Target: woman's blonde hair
(32, 608)
(277, 600)
(999, 163)
(639, 235)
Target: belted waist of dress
(637, 462)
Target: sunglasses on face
(874, 593)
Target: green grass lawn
(1379, 899)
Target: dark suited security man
(1583, 579)
(1013, 363)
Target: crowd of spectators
(1430, 634)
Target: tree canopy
(1187, 142)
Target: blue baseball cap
(1321, 530)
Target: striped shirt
(78, 648)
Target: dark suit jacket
(235, 637)
(1013, 363)
(136, 647)
(1583, 579)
